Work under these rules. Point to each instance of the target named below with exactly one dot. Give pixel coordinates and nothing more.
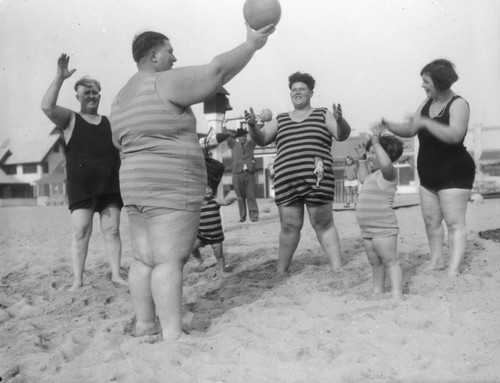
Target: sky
(364, 54)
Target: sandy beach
(311, 326)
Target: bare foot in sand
(143, 329)
(76, 285)
(119, 280)
(452, 273)
(436, 265)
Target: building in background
(27, 156)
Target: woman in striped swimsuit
(303, 168)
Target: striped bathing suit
(162, 164)
(374, 210)
(210, 229)
(298, 143)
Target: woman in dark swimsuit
(445, 168)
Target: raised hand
(361, 151)
(259, 38)
(62, 67)
(337, 112)
(250, 117)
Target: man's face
(165, 57)
(243, 139)
(89, 97)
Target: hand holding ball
(259, 13)
(266, 115)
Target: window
(29, 168)
(45, 167)
(10, 169)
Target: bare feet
(436, 265)
(143, 329)
(452, 273)
(76, 285)
(119, 280)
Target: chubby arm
(338, 127)
(383, 159)
(405, 129)
(456, 130)
(262, 136)
(227, 200)
(190, 85)
(57, 114)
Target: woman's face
(428, 85)
(300, 94)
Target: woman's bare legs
(292, 220)
(321, 218)
(454, 206)
(433, 218)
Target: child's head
(392, 145)
(209, 192)
(349, 160)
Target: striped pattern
(162, 162)
(374, 211)
(210, 229)
(297, 144)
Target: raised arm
(57, 114)
(363, 170)
(383, 159)
(264, 135)
(338, 127)
(190, 85)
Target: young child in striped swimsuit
(374, 210)
(210, 229)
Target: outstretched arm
(405, 129)
(338, 127)
(262, 136)
(190, 85)
(57, 114)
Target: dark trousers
(245, 187)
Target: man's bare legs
(165, 242)
(110, 227)
(81, 222)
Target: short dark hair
(392, 145)
(442, 73)
(146, 41)
(306, 78)
(87, 81)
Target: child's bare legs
(383, 252)
(197, 255)
(218, 250)
(378, 269)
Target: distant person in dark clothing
(244, 166)
(92, 165)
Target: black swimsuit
(441, 165)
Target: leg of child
(219, 256)
(386, 248)
(378, 270)
(197, 255)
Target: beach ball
(266, 115)
(259, 13)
